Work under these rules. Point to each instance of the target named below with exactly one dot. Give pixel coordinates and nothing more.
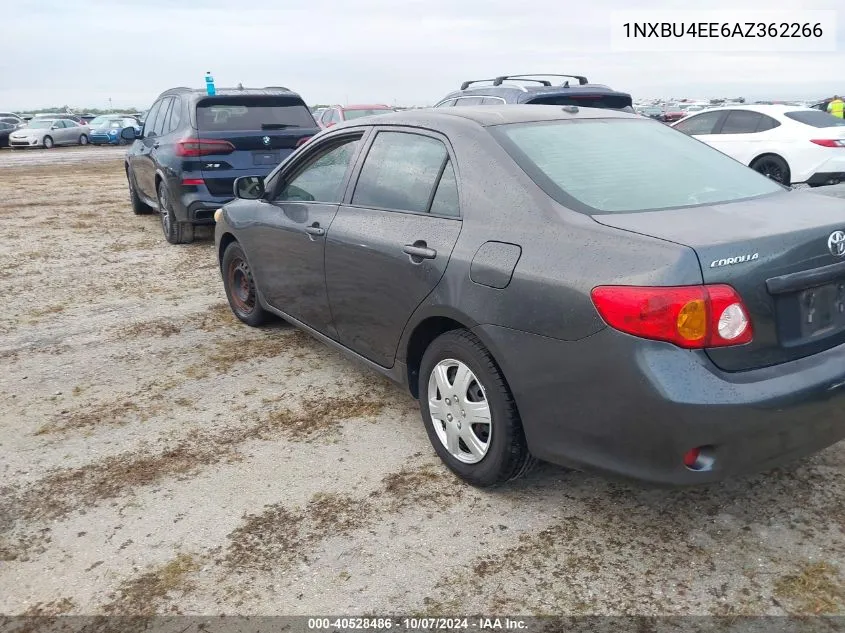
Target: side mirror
(249, 187)
(54, 127)
(129, 134)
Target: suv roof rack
(528, 77)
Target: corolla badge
(266, 140)
(836, 243)
(738, 259)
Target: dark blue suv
(193, 146)
(574, 90)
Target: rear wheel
(48, 142)
(174, 231)
(83, 139)
(469, 412)
(774, 167)
(240, 287)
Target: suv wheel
(175, 232)
(469, 412)
(240, 287)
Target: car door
(286, 244)
(737, 136)
(72, 132)
(389, 246)
(701, 126)
(141, 161)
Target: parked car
(193, 146)
(11, 117)
(47, 133)
(512, 89)
(107, 129)
(5, 130)
(652, 112)
(788, 144)
(338, 114)
(672, 319)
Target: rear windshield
(223, 114)
(608, 101)
(356, 114)
(815, 118)
(626, 165)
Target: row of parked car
(49, 130)
(512, 258)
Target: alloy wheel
(459, 410)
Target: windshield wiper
(276, 126)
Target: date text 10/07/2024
(418, 624)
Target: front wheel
(469, 412)
(773, 167)
(240, 287)
(83, 139)
(48, 142)
(174, 231)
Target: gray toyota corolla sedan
(581, 286)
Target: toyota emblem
(836, 243)
(266, 140)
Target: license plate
(822, 309)
(265, 158)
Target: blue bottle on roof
(209, 84)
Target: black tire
(83, 139)
(240, 287)
(507, 456)
(774, 167)
(174, 231)
(138, 206)
(48, 142)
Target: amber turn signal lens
(692, 320)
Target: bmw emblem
(266, 140)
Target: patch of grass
(227, 353)
(157, 327)
(52, 608)
(112, 412)
(816, 589)
(143, 594)
(279, 536)
(425, 485)
(217, 316)
(320, 415)
(52, 309)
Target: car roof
(201, 93)
(489, 115)
(365, 106)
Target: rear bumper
(826, 178)
(826, 170)
(632, 407)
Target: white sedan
(789, 144)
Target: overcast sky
(407, 52)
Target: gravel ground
(59, 155)
(160, 457)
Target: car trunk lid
(262, 130)
(783, 253)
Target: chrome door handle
(419, 250)
(315, 229)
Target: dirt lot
(159, 457)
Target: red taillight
(692, 317)
(303, 141)
(203, 147)
(691, 457)
(828, 142)
(193, 181)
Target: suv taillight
(203, 147)
(303, 140)
(693, 317)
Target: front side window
(699, 124)
(322, 177)
(400, 172)
(446, 104)
(626, 165)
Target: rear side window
(815, 118)
(469, 101)
(175, 115)
(223, 114)
(699, 124)
(492, 101)
(400, 172)
(607, 101)
(445, 201)
(741, 122)
(767, 123)
(625, 165)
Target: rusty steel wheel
(240, 287)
